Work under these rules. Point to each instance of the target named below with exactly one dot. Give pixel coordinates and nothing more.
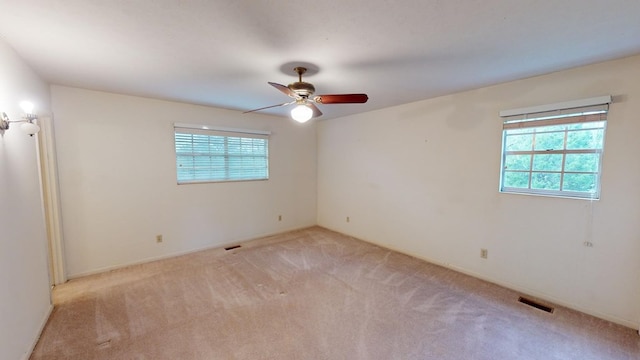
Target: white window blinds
(217, 154)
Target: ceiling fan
(302, 94)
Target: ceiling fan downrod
(300, 70)
(301, 88)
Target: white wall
(423, 178)
(118, 186)
(24, 280)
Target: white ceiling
(222, 53)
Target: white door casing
(51, 199)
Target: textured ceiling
(222, 53)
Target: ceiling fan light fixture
(301, 113)
(302, 94)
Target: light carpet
(312, 294)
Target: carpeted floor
(312, 294)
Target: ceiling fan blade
(269, 107)
(285, 90)
(341, 99)
(316, 111)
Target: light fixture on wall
(27, 119)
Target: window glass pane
(545, 156)
(515, 179)
(517, 162)
(580, 182)
(200, 143)
(546, 181)
(521, 131)
(216, 144)
(585, 139)
(586, 125)
(218, 161)
(549, 141)
(547, 162)
(185, 173)
(234, 146)
(185, 161)
(551, 128)
(582, 162)
(201, 174)
(518, 142)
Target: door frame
(51, 200)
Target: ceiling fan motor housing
(302, 88)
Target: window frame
(218, 174)
(520, 120)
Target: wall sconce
(27, 119)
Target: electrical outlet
(347, 219)
(158, 238)
(484, 253)
(279, 217)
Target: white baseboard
(514, 287)
(545, 297)
(43, 323)
(181, 253)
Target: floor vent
(232, 247)
(536, 305)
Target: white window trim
(220, 128)
(592, 109)
(226, 132)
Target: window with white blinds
(554, 152)
(212, 155)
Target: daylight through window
(557, 153)
(211, 155)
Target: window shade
(561, 116)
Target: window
(210, 155)
(556, 153)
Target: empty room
(319, 180)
